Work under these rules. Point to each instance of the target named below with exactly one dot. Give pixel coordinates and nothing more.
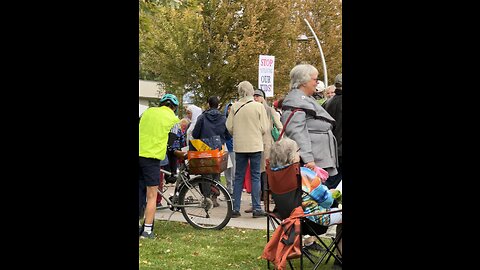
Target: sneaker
(259, 213)
(149, 235)
(236, 214)
(314, 246)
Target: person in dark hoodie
(210, 123)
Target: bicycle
(199, 210)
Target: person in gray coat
(311, 127)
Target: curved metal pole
(321, 54)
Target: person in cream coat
(247, 122)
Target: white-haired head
(245, 89)
(283, 152)
(301, 74)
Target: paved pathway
(245, 221)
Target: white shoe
(261, 203)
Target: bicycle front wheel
(206, 204)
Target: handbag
(275, 131)
(288, 120)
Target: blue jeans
(241, 162)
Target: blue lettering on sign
(265, 79)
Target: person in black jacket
(210, 123)
(334, 107)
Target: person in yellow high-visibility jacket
(155, 124)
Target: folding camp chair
(285, 185)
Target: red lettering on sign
(266, 62)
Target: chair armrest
(323, 213)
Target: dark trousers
(172, 163)
(263, 182)
(333, 181)
(207, 190)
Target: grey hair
(269, 112)
(245, 89)
(283, 152)
(301, 74)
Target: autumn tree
(208, 46)
(325, 17)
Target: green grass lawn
(223, 180)
(178, 245)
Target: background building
(149, 91)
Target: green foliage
(209, 46)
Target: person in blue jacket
(211, 123)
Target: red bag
(285, 242)
(247, 183)
(160, 187)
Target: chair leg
(309, 256)
(329, 250)
(301, 253)
(290, 263)
(335, 242)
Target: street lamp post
(305, 38)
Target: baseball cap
(338, 81)
(259, 92)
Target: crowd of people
(310, 113)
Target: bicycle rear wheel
(201, 211)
